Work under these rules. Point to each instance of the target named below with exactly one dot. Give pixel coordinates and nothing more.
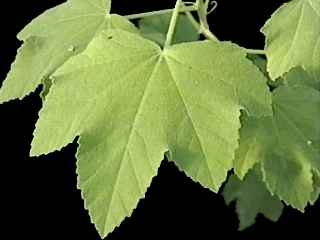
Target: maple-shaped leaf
(52, 38)
(252, 197)
(131, 102)
(286, 145)
(293, 39)
(155, 28)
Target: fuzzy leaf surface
(130, 102)
(52, 38)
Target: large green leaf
(252, 198)
(131, 102)
(286, 145)
(293, 39)
(53, 38)
(155, 28)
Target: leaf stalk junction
(202, 7)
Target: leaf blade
(63, 31)
(140, 96)
(293, 39)
(252, 198)
(285, 144)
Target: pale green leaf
(52, 38)
(155, 28)
(286, 144)
(68, 18)
(252, 198)
(293, 39)
(131, 102)
(19, 81)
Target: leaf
(16, 85)
(155, 28)
(293, 39)
(316, 187)
(52, 38)
(252, 198)
(286, 144)
(71, 16)
(248, 154)
(298, 76)
(131, 102)
(261, 63)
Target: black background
(40, 196)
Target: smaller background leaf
(298, 76)
(155, 28)
(252, 198)
(261, 63)
(286, 144)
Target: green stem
(203, 12)
(201, 29)
(187, 10)
(255, 51)
(173, 24)
(184, 9)
(209, 35)
(193, 21)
